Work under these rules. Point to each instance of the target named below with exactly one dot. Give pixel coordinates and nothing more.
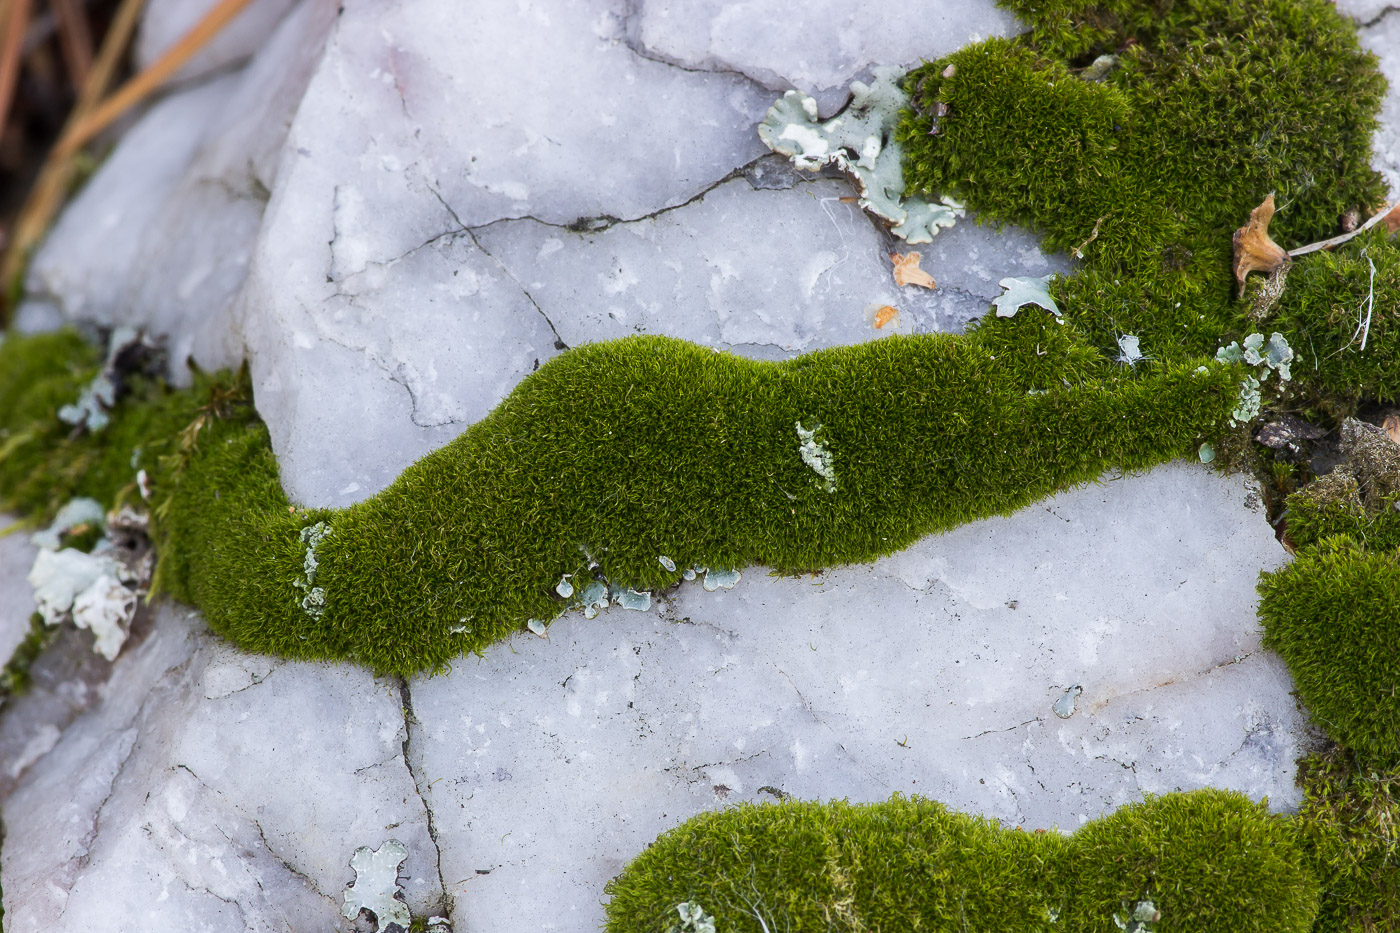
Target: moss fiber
(1209, 861)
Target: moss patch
(1334, 616)
(1148, 167)
(609, 457)
(1203, 862)
(1350, 825)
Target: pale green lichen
(1247, 407)
(314, 602)
(376, 886)
(693, 919)
(1025, 290)
(817, 456)
(860, 142)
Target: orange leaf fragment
(907, 271)
(884, 314)
(1254, 251)
(1392, 219)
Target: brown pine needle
(54, 179)
(14, 23)
(75, 39)
(139, 87)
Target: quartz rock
(165, 21)
(934, 671)
(211, 789)
(161, 236)
(815, 47)
(16, 597)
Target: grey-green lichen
(860, 142)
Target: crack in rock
(825, 725)
(253, 821)
(410, 722)
(559, 343)
(1376, 20)
(630, 38)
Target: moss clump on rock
(1145, 161)
(1334, 616)
(1350, 825)
(1206, 862)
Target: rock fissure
(559, 343)
(1376, 20)
(410, 722)
(630, 39)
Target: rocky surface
(394, 214)
(16, 598)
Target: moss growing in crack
(14, 678)
(1206, 861)
(1349, 824)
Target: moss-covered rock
(1202, 862)
(1334, 616)
(1140, 135)
(1350, 825)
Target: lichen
(860, 141)
(817, 455)
(376, 887)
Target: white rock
(1383, 38)
(161, 235)
(816, 47)
(16, 595)
(213, 790)
(165, 22)
(932, 672)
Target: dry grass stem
(1376, 218)
(139, 87)
(14, 22)
(54, 178)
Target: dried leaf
(1392, 219)
(1254, 251)
(907, 271)
(885, 314)
(1392, 426)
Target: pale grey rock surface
(165, 21)
(162, 234)
(211, 789)
(16, 598)
(817, 48)
(1382, 37)
(930, 672)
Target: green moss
(44, 462)
(1324, 309)
(701, 463)
(14, 678)
(1333, 614)
(1350, 825)
(1332, 506)
(1212, 105)
(1207, 861)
